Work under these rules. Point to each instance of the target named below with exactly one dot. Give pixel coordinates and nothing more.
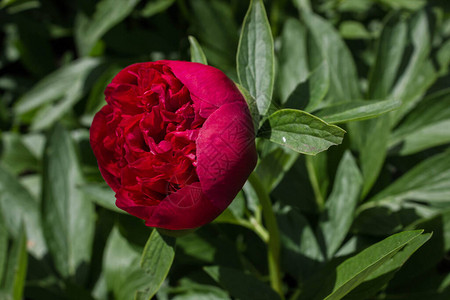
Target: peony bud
(175, 142)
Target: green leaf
(343, 76)
(293, 67)
(241, 285)
(443, 57)
(96, 98)
(16, 269)
(3, 246)
(55, 85)
(21, 209)
(34, 46)
(300, 131)
(196, 290)
(48, 115)
(217, 31)
(373, 143)
(310, 93)
(15, 154)
(107, 14)
(340, 206)
(390, 48)
(156, 261)
(430, 136)
(371, 137)
(102, 195)
(429, 181)
(123, 275)
(386, 218)
(407, 4)
(255, 57)
(319, 84)
(252, 106)
(353, 271)
(425, 126)
(273, 166)
(419, 73)
(378, 279)
(68, 217)
(356, 110)
(300, 253)
(431, 255)
(197, 54)
(353, 30)
(155, 7)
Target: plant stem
(315, 182)
(273, 251)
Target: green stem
(273, 251)
(315, 182)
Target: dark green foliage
(369, 218)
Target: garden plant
(225, 149)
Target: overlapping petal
(175, 142)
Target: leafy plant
(351, 195)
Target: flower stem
(315, 182)
(273, 251)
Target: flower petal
(187, 208)
(97, 135)
(226, 153)
(210, 88)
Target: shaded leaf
(356, 110)
(255, 57)
(217, 32)
(273, 166)
(123, 274)
(428, 181)
(300, 253)
(156, 261)
(15, 154)
(407, 4)
(386, 218)
(156, 7)
(197, 54)
(252, 106)
(16, 268)
(107, 14)
(390, 48)
(48, 115)
(68, 217)
(353, 271)
(293, 67)
(21, 209)
(3, 246)
(353, 30)
(338, 215)
(343, 76)
(102, 195)
(241, 285)
(55, 85)
(373, 140)
(371, 137)
(430, 256)
(378, 279)
(308, 95)
(425, 126)
(419, 73)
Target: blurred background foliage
(61, 236)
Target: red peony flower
(175, 142)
